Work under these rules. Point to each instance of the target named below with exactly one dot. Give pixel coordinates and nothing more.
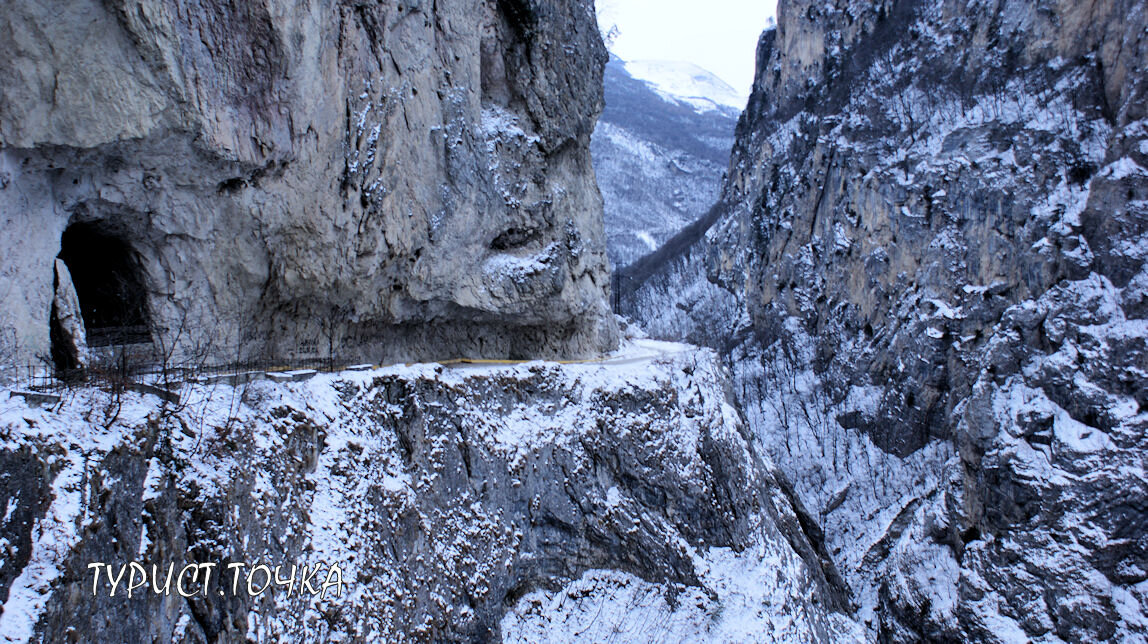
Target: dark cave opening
(109, 282)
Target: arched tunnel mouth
(109, 281)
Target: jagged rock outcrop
(69, 338)
(935, 231)
(443, 494)
(395, 179)
(659, 157)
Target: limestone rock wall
(937, 159)
(935, 230)
(376, 180)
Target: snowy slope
(687, 83)
(444, 494)
(660, 150)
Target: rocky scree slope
(930, 263)
(659, 157)
(396, 179)
(447, 496)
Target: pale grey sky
(717, 35)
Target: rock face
(69, 337)
(659, 156)
(934, 230)
(392, 179)
(444, 496)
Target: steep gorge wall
(447, 497)
(398, 179)
(974, 172)
(935, 232)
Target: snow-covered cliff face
(660, 151)
(458, 503)
(398, 179)
(382, 181)
(934, 232)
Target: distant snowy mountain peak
(687, 83)
(659, 151)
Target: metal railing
(134, 365)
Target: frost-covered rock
(444, 494)
(934, 231)
(69, 334)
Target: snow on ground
(857, 491)
(759, 590)
(646, 238)
(745, 597)
(687, 83)
(55, 533)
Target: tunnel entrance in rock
(108, 279)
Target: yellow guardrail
(454, 361)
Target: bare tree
(331, 326)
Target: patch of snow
(687, 83)
(647, 239)
(519, 268)
(1123, 168)
(745, 597)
